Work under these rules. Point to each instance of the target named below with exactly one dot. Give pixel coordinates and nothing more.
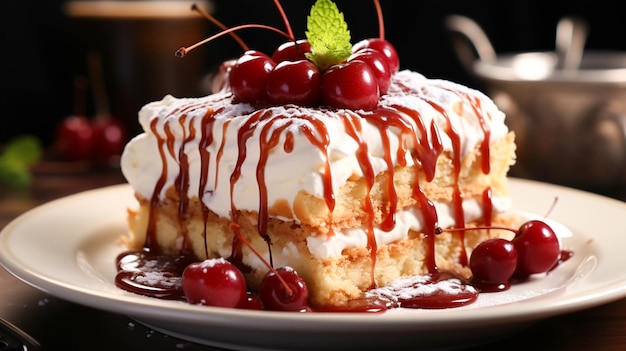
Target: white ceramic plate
(68, 248)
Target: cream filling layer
(328, 247)
(325, 247)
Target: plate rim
(145, 309)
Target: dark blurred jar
(136, 41)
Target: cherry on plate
(493, 262)
(285, 293)
(214, 282)
(538, 248)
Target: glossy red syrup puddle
(154, 274)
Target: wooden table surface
(61, 325)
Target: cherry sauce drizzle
(151, 272)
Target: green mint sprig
(17, 157)
(328, 34)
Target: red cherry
(296, 82)
(110, 138)
(220, 78)
(493, 262)
(74, 138)
(248, 76)
(275, 295)
(251, 302)
(291, 51)
(378, 64)
(351, 85)
(214, 282)
(537, 247)
(382, 46)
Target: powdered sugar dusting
(209, 263)
(425, 292)
(160, 279)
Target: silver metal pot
(567, 107)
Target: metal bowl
(570, 122)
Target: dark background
(41, 55)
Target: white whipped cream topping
(292, 171)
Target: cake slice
(350, 198)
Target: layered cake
(351, 198)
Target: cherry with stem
(537, 248)
(196, 8)
(109, 132)
(281, 289)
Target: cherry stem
(101, 99)
(235, 228)
(381, 21)
(80, 91)
(215, 21)
(556, 199)
(440, 230)
(285, 19)
(185, 50)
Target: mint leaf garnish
(25, 148)
(13, 174)
(18, 155)
(328, 34)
